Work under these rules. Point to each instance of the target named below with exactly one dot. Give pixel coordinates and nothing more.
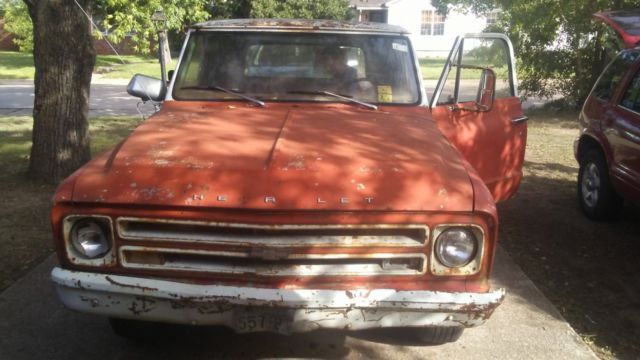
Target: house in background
(6, 39)
(431, 33)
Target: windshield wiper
(228, 91)
(329, 93)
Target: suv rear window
(631, 98)
(610, 78)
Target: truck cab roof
(301, 25)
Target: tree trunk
(64, 59)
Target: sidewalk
(34, 325)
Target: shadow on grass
(587, 269)
(15, 65)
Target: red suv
(608, 149)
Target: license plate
(272, 320)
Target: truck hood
(281, 158)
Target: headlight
(90, 238)
(456, 247)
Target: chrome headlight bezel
(76, 256)
(439, 267)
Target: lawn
(431, 68)
(15, 65)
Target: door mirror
(146, 88)
(476, 89)
(486, 90)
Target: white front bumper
(304, 309)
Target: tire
(135, 330)
(597, 198)
(439, 335)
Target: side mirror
(146, 88)
(486, 90)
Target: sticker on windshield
(400, 47)
(385, 93)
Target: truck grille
(286, 265)
(274, 250)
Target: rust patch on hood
(283, 158)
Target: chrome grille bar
(272, 235)
(246, 263)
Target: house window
(432, 23)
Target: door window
(610, 78)
(486, 52)
(631, 98)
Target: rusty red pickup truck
(298, 176)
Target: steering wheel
(362, 89)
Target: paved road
(107, 98)
(34, 325)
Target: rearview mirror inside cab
(146, 88)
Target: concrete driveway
(34, 325)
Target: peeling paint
(143, 288)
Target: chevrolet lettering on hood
(298, 171)
(319, 200)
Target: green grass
(111, 67)
(432, 69)
(25, 238)
(15, 65)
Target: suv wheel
(439, 335)
(597, 198)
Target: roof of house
(300, 25)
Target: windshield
(288, 66)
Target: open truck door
(476, 106)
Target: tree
(122, 18)
(17, 22)
(306, 9)
(64, 58)
(560, 49)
